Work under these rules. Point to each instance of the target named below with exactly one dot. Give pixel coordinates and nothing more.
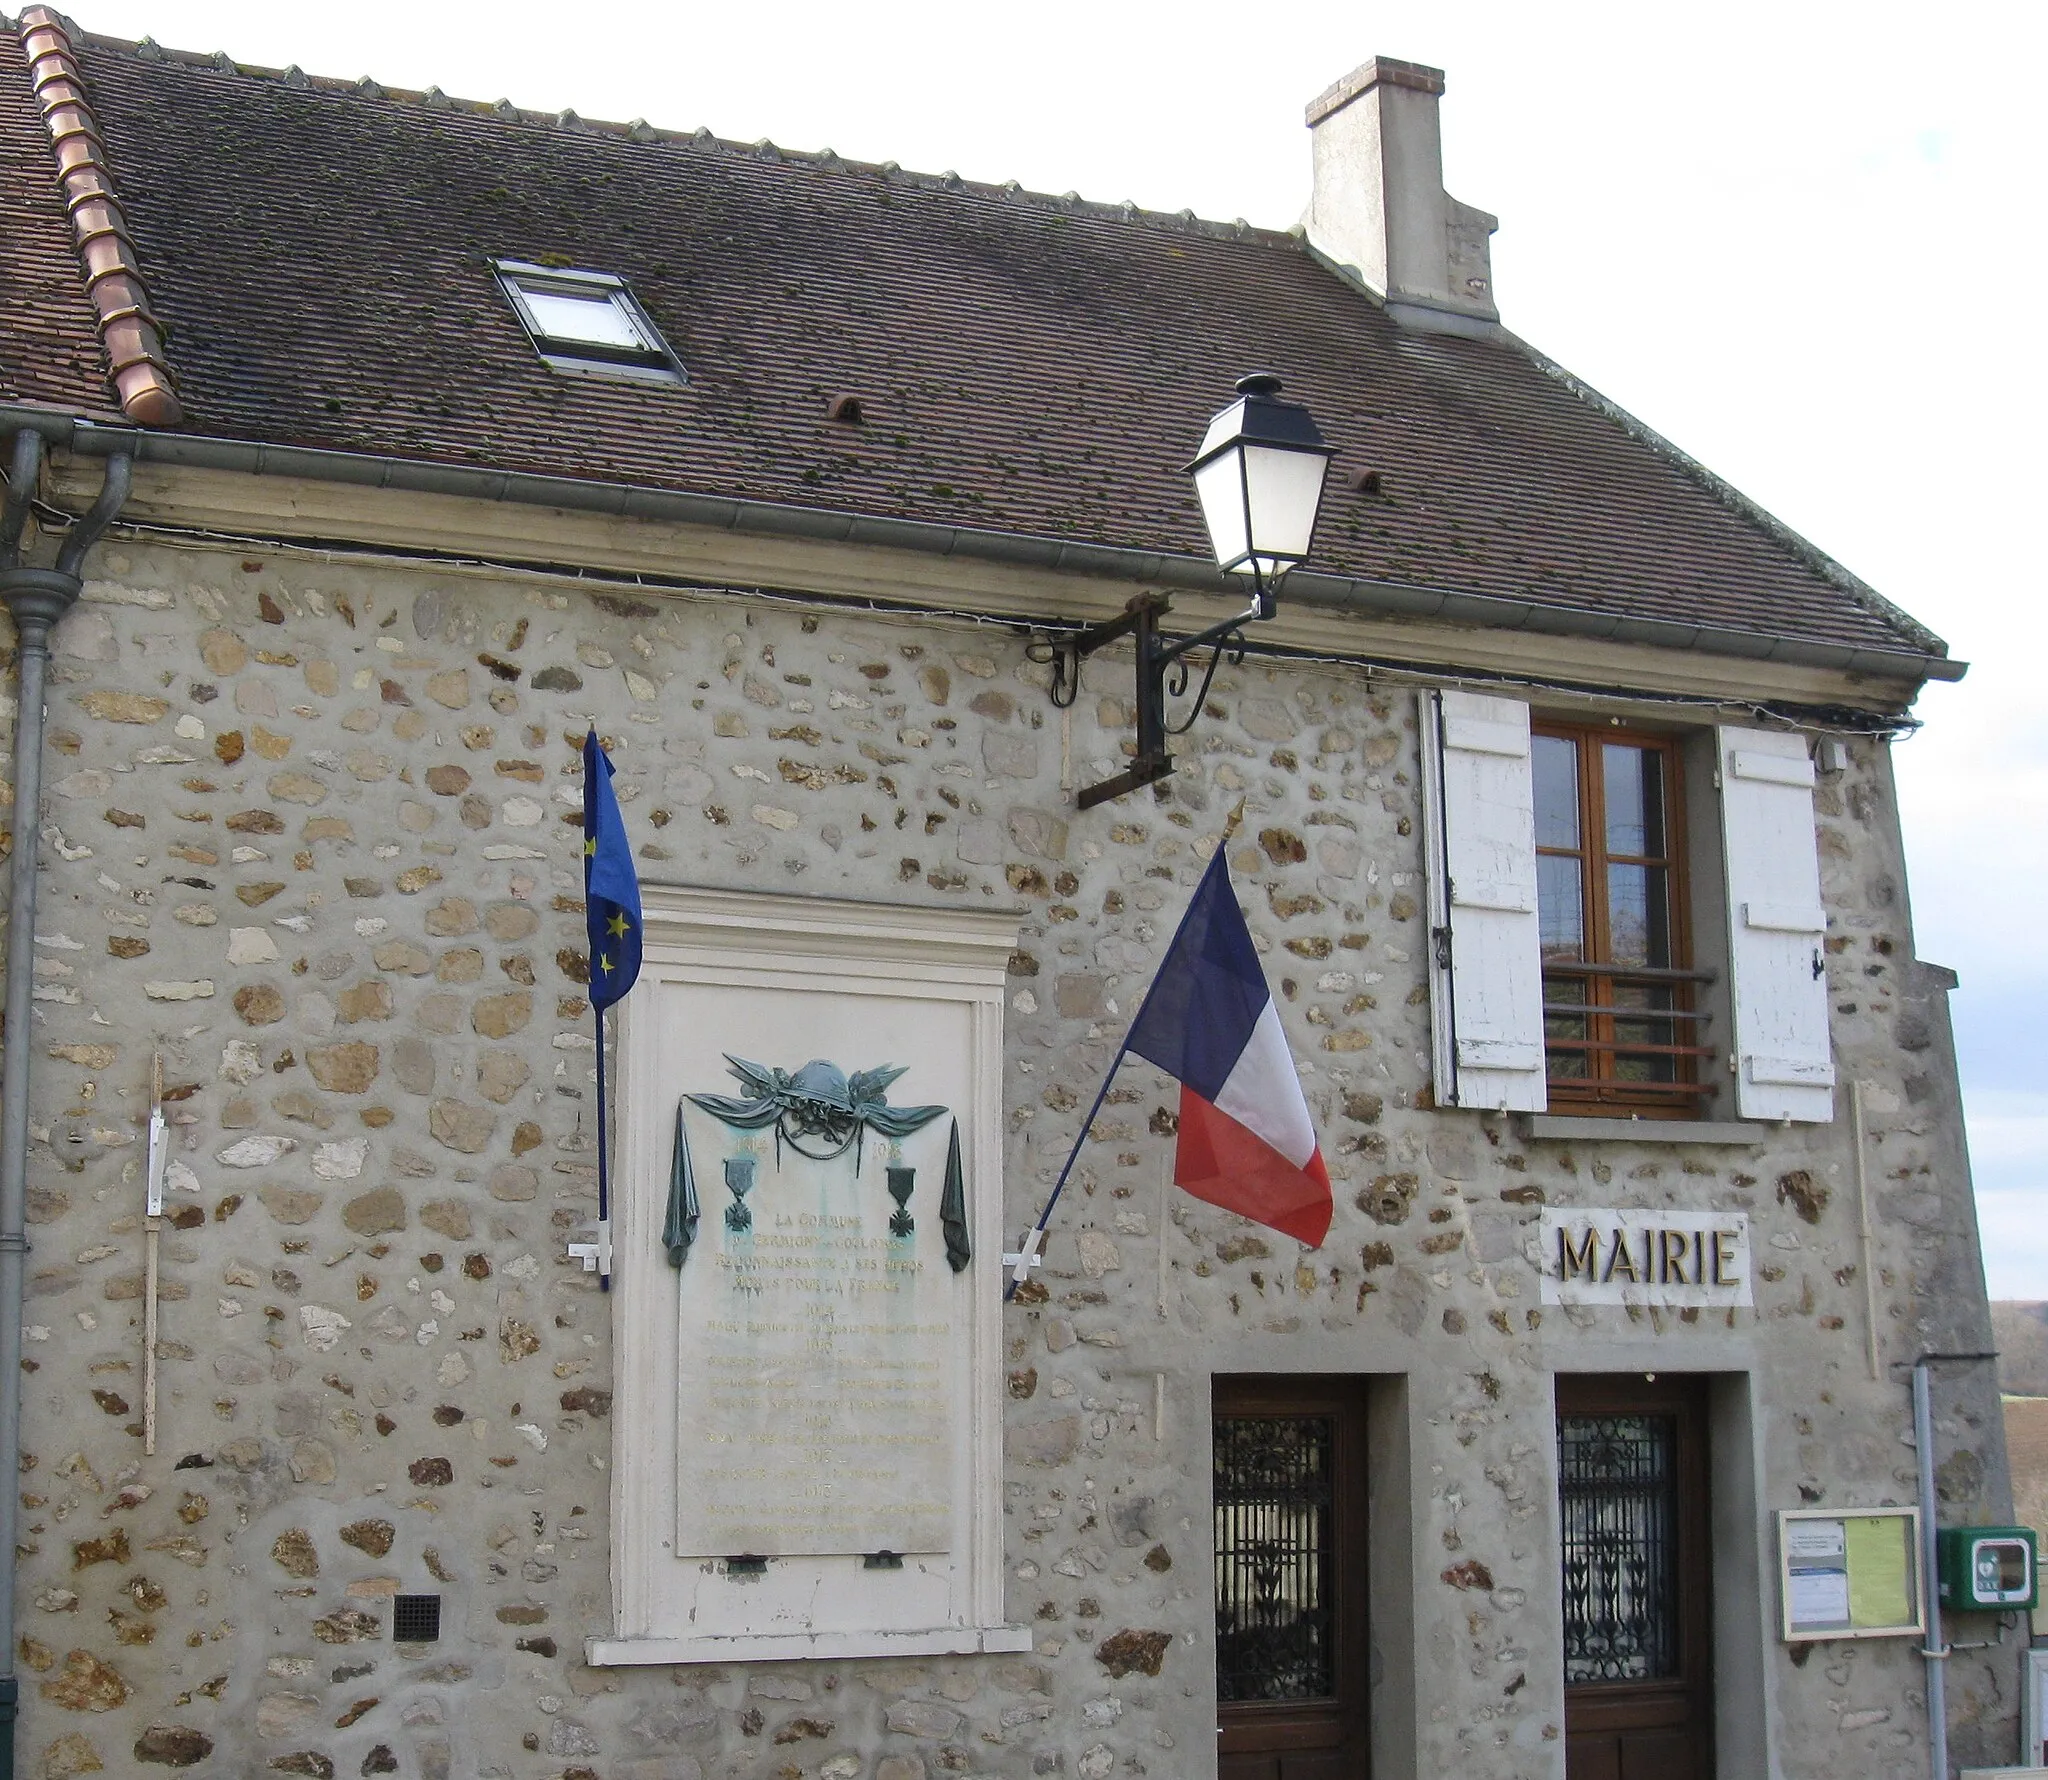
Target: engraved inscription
(815, 1368)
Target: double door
(1290, 1519)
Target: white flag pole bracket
(596, 1255)
(1026, 1258)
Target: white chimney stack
(1379, 209)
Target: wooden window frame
(1600, 1092)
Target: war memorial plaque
(807, 1304)
(816, 1338)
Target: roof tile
(322, 252)
(49, 341)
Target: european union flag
(611, 887)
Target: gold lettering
(1621, 1259)
(1573, 1261)
(1671, 1258)
(1724, 1258)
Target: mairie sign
(1684, 1259)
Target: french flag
(1209, 1021)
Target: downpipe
(36, 598)
(1934, 1647)
(1933, 1652)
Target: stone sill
(1566, 1129)
(999, 1640)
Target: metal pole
(1036, 1234)
(152, 1226)
(1868, 1261)
(36, 598)
(604, 1164)
(1932, 1649)
(32, 617)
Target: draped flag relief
(1246, 1141)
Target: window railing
(1625, 1035)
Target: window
(1274, 1615)
(1561, 971)
(1619, 1024)
(587, 322)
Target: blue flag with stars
(611, 887)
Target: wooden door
(1290, 1520)
(1638, 1627)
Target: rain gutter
(1350, 595)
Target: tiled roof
(49, 344)
(321, 254)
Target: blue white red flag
(1209, 1021)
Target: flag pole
(611, 912)
(1028, 1251)
(604, 1177)
(1021, 1271)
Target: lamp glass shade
(1259, 479)
(1219, 486)
(1283, 489)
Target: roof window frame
(653, 361)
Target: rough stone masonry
(310, 835)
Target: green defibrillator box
(1987, 1569)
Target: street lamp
(1259, 479)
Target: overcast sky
(1802, 240)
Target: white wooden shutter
(1784, 1064)
(1486, 965)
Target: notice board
(2034, 1719)
(1849, 1573)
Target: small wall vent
(415, 1619)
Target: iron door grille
(1275, 1566)
(1618, 1497)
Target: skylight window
(587, 322)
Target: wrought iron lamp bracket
(1162, 672)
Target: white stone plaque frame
(780, 979)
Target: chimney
(1378, 207)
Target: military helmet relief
(820, 1112)
(820, 1103)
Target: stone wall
(307, 834)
